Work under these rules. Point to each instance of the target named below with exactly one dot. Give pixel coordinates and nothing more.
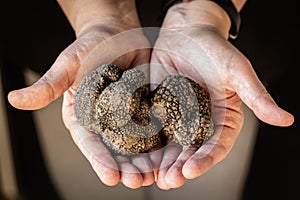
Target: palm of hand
(136, 170)
(96, 45)
(208, 59)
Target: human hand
(193, 42)
(100, 39)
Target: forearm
(83, 13)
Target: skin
(206, 25)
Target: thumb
(256, 97)
(49, 87)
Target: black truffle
(119, 106)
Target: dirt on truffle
(119, 106)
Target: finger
(144, 165)
(49, 87)
(174, 177)
(155, 156)
(254, 94)
(170, 155)
(90, 145)
(211, 152)
(130, 175)
(98, 155)
(227, 125)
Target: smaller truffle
(184, 109)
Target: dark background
(270, 39)
(33, 33)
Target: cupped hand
(97, 44)
(203, 53)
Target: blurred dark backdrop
(33, 33)
(270, 39)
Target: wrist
(198, 13)
(237, 3)
(86, 13)
(218, 16)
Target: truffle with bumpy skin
(119, 106)
(184, 109)
(112, 103)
